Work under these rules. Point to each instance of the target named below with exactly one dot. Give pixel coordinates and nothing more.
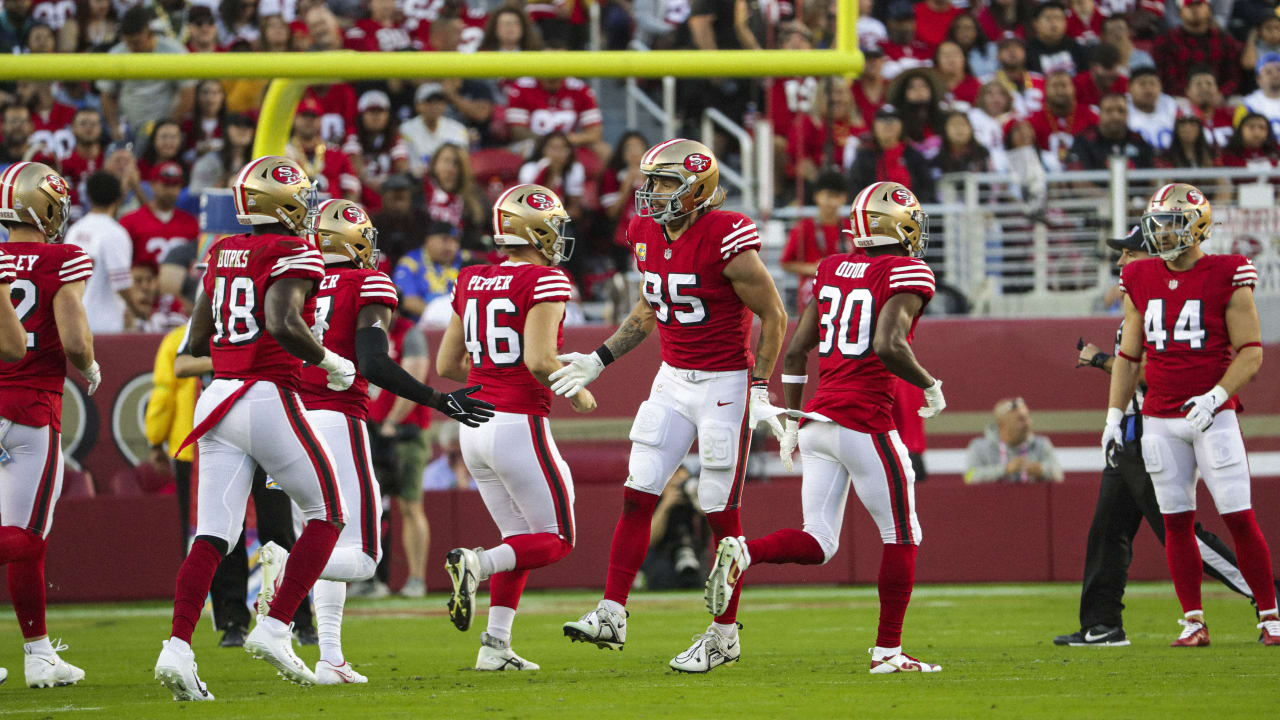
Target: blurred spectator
(430, 129)
(50, 119)
(553, 165)
(274, 34)
(380, 31)
(536, 107)
(401, 220)
(328, 167)
(448, 471)
(1197, 40)
(1189, 148)
(871, 32)
(16, 145)
(164, 144)
(904, 50)
(336, 103)
(170, 415)
(203, 131)
(40, 39)
(15, 22)
(1000, 19)
(428, 272)
(1106, 74)
(1084, 22)
(239, 22)
(1050, 48)
(791, 97)
(812, 239)
(961, 152)
(471, 102)
(1024, 164)
(618, 184)
(1266, 99)
(885, 156)
(202, 30)
(1205, 102)
(56, 14)
(989, 117)
(1026, 87)
(1252, 146)
(374, 146)
(159, 225)
(1263, 38)
(1061, 120)
(323, 31)
(154, 312)
(563, 23)
(1151, 112)
(1115, 31)
(86, 153)
(819, 137)
(93, 28)
(933, 19)
(132, 106)
(658, 24)
(870, 88)
(953, 69)
(1010, 452)
(215, 169)
(978, 48)
(451, 194)
(108, 295)
(678, 536)
(121, 163)
(917, 94)
(509, 30)
(1111, 136)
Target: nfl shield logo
(667, 253)
(641, 251)
(1173, 284)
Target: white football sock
(39, 647)
(500, 621)
(273, 625)
(181, 646)
(329, 598)
(349, 564)
(497, 559)
(883, 653)
(729, 630)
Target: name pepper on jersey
(493, 302)
(1184, 326)
(702, 323)
(31, 389)
(241, 270)
(343, 293)
(855, 389)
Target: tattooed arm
(633, 330)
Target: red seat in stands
(495, 169)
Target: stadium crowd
(1016, 86)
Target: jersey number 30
(845, 321)
(484, 336)
(1188, 329)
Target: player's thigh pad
(660, 439)
(825, 486)
(1170, 461)
(1222, 460)
(884, 481)
(348, 441)
(293, 452)
(224, 481)
(31, 480)
(722, 447)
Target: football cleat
(44, 671)
(272, 559)
(4, 675)
(731, 561)
(329, 674)
(1194, 633)
(709, 651)
(497, 654)
(1095, 636)
(176, 670)
(1270, 627)
(602, 627)
(900, 662)
(463, 566)
(276, 648)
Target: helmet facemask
(1167, 234)
(562, 248)
(648, 199)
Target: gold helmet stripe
(241, 198)
(652, 155)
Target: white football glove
(934, 402)
(1112, 436)
(761, 410)
(1204, 407)
(341, 370)
(579, 373)
(790, 438)
(93, 376)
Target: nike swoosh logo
(1090, 637)
(722, 404)
(735, 225)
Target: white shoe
(497, 654)
(603, 627)
(45, 671)
(4, 675)
(413, 588)
(329, 674)
(277, 648)
(272, 559)
(709, 651)
(732, 560)
(463, 566)
(899, 662)
(176, 670)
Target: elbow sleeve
(378, 368)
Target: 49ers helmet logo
(697, 162)
(353, 215)
(540, 201)
(1195, 197)
(58, 184)
(902, 196)
(286, 174)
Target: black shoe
(234, 636)
(1096, 636)
(306, 635)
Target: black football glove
(463, 408)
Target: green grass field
(804, 656)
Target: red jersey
(1185, 326)
(53, 13)
(803, 246)
(241, 270)
(493, 302)
(1056, 134)
(52, 130)
(571, 108)
(702, 323)
(1219, 123)
(443, 205)
(339, 104)
(1088, 92)
(382, 400)
(855, 389)
(789, 97)
(31, 389)
(343, 293)
(931, 25)
(369, 35)
(329, 168)
(153, 236)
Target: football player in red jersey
(1193, 315)
(249, 320)
(703, 282)
(46, 282)
(13, 337)
(352, 314)
(505, 333)
(862, 324)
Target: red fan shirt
(572, 107)
(154, 235)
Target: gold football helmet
(533, 215)
(887, 213)
(274, 189)
(343, 233)
(693, 166)
(1177, 218)
(34, 194)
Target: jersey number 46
(484, 336)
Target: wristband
(1099, 360)
(1249, 345)
(795, 379)
(605, 354)
(759, 381)
(1127, 356)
